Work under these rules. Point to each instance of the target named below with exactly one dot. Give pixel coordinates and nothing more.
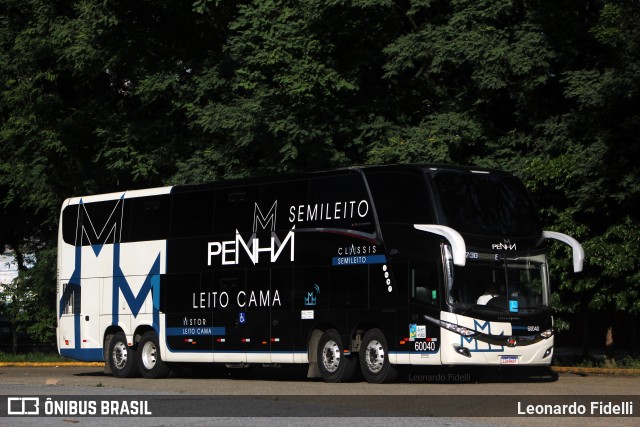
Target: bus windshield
(498, 282)
(484, 204)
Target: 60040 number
(425, 346)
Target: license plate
(509, 360)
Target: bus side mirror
(578, 252)
(458, 247)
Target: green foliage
(102, 96)
(28, 301)
(441, 138)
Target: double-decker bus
(375, 266)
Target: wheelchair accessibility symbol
(242, 318)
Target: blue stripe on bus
(85, 354)
(359, 259)
(196, 331)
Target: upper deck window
(486, 204)
(400, 197)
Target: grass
(628, 363)
(624, 362)
(36, 356)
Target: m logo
(310, 299)
(99, 224)
(481, 346)
(259, 219)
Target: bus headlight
(547, 333)
(461, 330)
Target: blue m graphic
(477, 326)
(135, 302)
(87, 232)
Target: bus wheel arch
(358, 333)
(312, 354)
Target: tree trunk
(610, 357)
(14, 339)
(16, 297)
(633, 346)
(585, 333)
(19, 256)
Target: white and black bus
(376, 266)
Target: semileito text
(329, 211)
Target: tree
(106, 96)
(292, 78)
(603, 97)
(534, 88)
(85, 108)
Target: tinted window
(424, 284)
(335, 202)
(70, 224)
(288, 194)
(93, 223)
(485, 204)
(234, 210)
(192, 214)
(400, 198)
(149, 217)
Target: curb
(49, 364)
(594, 371)
(556, 369)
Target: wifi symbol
(317, 288)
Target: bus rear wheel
(148, 357)
(374, 358)
(334, 365)
(121, 357)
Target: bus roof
(275, 178)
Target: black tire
(334, 365)
(121, 357)
(374, 358)
(148, 358)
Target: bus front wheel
(334, 365)
(122, 357)
(148, 357)
(374, 358)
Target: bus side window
(235, 208)
(424, 285)
(400, 197)
(149, 218)
(71, 298)
(70, 224)
(192, 214)
(228, 283)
